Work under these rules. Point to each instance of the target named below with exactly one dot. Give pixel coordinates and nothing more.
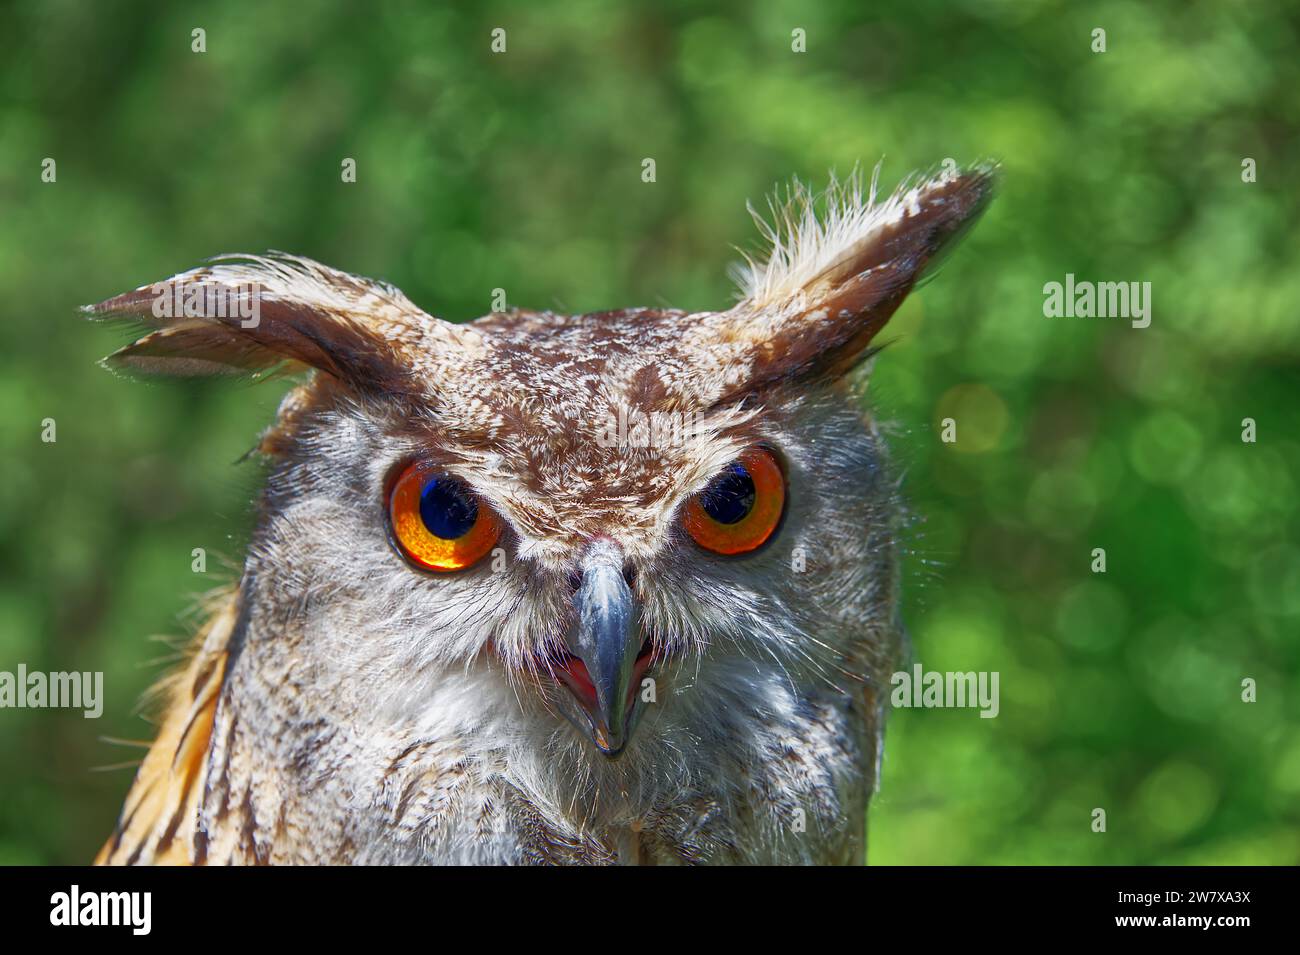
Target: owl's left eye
(741, 507)
(438, 522)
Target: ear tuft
(816, 241)
(193, 350)
(837, 269)
(244, 314)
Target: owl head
(610, 541)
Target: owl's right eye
(438, 522)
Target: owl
(618, 587)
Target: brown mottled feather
(157, 822)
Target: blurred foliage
(522, 171)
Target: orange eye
(438, 522)
(740, 508)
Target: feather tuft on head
(810, 236)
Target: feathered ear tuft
(833, 278)
(253, 313)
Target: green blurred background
(523, 171)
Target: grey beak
(606, 637)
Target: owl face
(595, 578)
(614, 527)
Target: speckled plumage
(343, 707)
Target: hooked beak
(607, 657)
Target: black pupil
(730, 497)
(447, 509)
